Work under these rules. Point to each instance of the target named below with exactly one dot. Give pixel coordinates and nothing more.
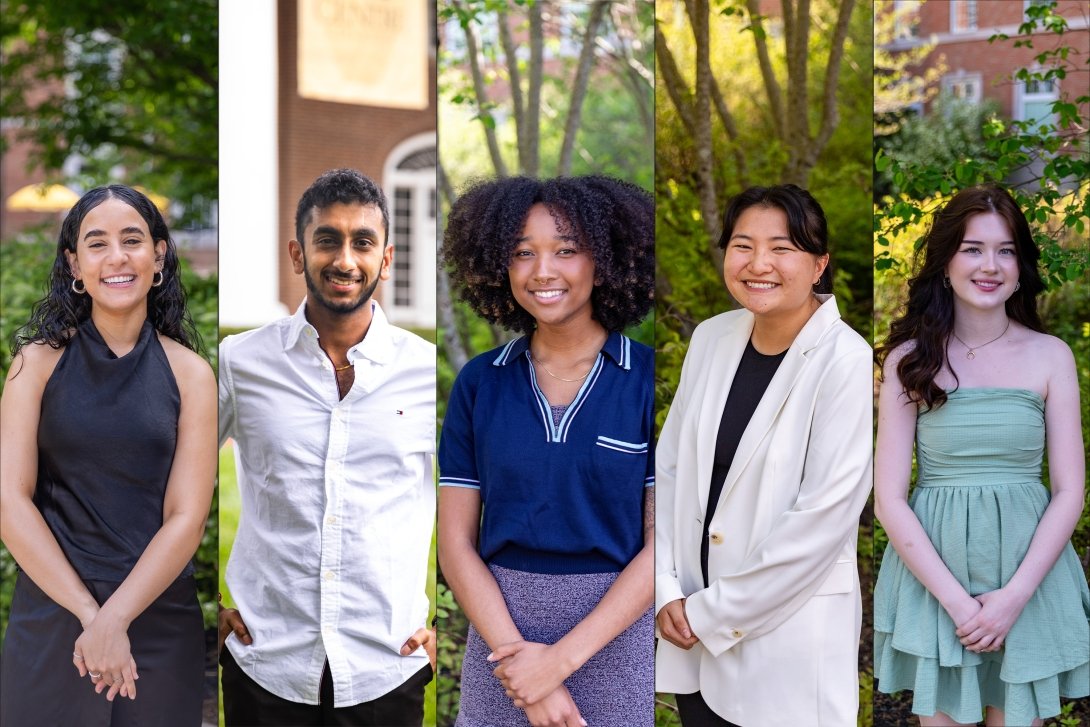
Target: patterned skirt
(614, 688)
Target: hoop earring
(1017, 285)
(156, 284)
(81, 289)
(946, 281)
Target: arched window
(409, 179)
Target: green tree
(122, 82)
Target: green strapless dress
(979, 497)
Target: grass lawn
(229, 512)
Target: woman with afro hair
(546, 507)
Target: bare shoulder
(34, 363)
(893, 358)
(191, 371)
(1049, 350)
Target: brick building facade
(977, 70)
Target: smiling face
(550, 276)
(984, 270)
(764, 270)
(343, 257)
(116, 257)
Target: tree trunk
(481, 95)
(454, 347)
(579, 87)
(531, 163)
(702, 136)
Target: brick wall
(316, 136)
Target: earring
(1017, 285)
(946, 281)
(156, 283)
(81, 289)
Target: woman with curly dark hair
(763, 467)
(981, 606)
(108, 431)
(548, 437)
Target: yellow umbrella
(42, 198)
(156, 199)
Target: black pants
(247, 704)
(695, 712)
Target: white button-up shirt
(330, 561)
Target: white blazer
(779, 624)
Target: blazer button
(716, 538)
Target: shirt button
(716, 538)
(736, 633)
(329, 575)
(331, 519)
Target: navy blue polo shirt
(555, 499)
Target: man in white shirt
(332, 412)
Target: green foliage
(953, 131)
(121, 82)
(24, 269)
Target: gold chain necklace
(550, 373)
(971, 353)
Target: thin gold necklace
(971, 353)
(338, 369)
(550, 373)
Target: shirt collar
(618, 347)
(377, 345)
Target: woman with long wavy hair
(108, 425)
(981, 605)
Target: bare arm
(185, 509)
(1067, 470)
(479, 595)
(468, 576)
(22, 527)
(531, 671)
(892, 471)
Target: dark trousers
(247, 704)
(695, 712)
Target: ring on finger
(77, 657)
(94, 675)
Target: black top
(754, 373)
(106, 442)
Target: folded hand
(102, 651)
(528, 671)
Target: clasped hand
(102, 651)
(533, 677)
(674, 625)
(987, 627)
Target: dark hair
(54, 318)
(928, 319)
(805, 221)
(344, 186)
(613, 220)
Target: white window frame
(420, 312)
(952, 80)
(1023, 97)
(955, 5)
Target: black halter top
(106, 442)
